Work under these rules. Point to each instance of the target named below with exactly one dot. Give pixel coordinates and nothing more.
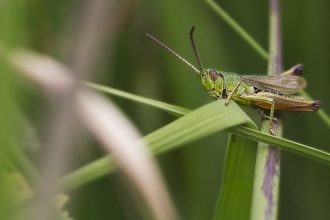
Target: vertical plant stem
(267, 170)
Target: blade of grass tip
(232, 23)
(266, 182)
(172, 109)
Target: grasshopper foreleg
(232, 92)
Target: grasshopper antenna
(174, 53)
(195, 49)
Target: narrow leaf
(198, 124)
(174, 110)
(236, 193)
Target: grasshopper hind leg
(256, 98)
(293, 71)
(264, 116)
(316, 105)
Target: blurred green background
(132, 62)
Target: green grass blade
(100, 167)
(232, 23)
(172, 109)
(198, 124)
(87, 174)
(294, 147)
(241, 131)
(282, 143)
(236, 192)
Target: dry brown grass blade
(109, 126)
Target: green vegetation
(211, 149)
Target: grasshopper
(261, 92)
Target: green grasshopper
(261, 92)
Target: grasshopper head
(213, 82)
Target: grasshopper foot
(272, 132)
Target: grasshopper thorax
(213, 82)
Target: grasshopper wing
(274, 84)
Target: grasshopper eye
(213, 75)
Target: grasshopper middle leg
(263, 115)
